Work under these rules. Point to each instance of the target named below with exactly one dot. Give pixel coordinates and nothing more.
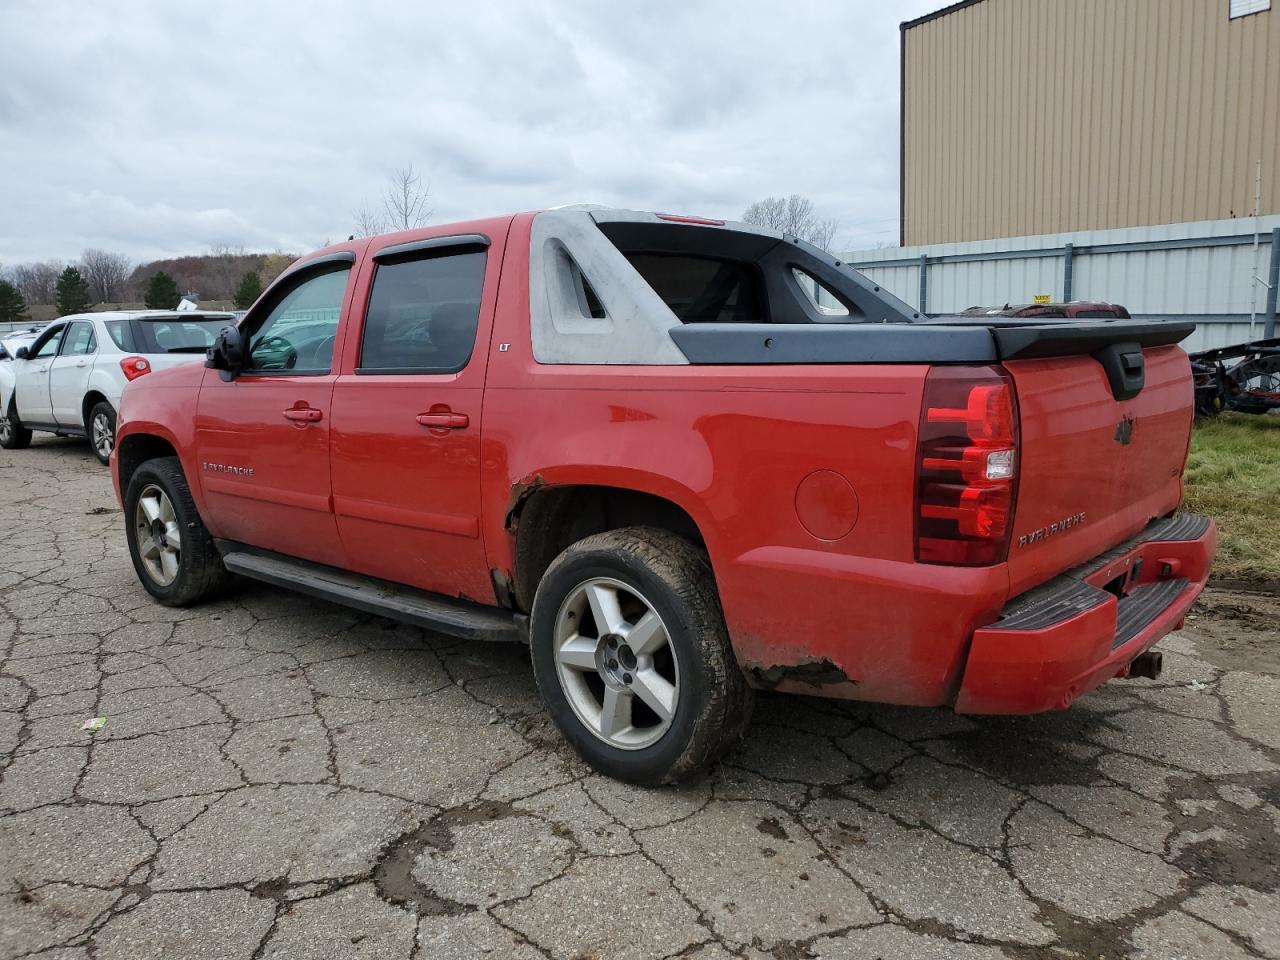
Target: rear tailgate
(1094, 470)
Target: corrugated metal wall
(1209, 280)
(1030, 116)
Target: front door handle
(304, 414)
(82, 363)
(444, 420)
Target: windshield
(166, 334)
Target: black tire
(714, 703)
(200, 573)
(105, 410)
(13, 435)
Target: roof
(952, 8)
(130, 314)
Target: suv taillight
(134, 367)
(967, 466)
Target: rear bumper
(1059, 641)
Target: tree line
(100, 277)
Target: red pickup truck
(683, 460)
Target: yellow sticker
(1044, 298)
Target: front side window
(298, 333)
(79, 340)
(423, 314)
(48, 346)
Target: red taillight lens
(967, 471)
(134, 367)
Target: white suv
(68, 381)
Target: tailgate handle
(1125, 368)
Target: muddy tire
(172, 552)
(632, 657)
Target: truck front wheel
(632, 657)
(172, 552)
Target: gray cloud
(157, 129)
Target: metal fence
(1207, 271)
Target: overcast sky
(157, 128)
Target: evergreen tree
(162, 292)
(13, 309)
(73, 292)
(249, 290)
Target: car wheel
(172, 552)
(632, 658)
(102, 430)
(13, 435)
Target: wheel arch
(544, 519)
(93, 396)
(135, 449)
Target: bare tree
(404, 205)
(37, 282)
(369, 222)
(792, 215)
(406, 200)
(106, 274)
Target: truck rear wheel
(632, 657)
(172, 552)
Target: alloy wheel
(6, 430)
(102, 435)
(616, 664)
(158, 535)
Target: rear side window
(121, 334)
(702, 289)
(79, 340)
(423, 314)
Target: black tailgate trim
(1069, 339)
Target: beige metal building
(1044, 116)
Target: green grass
(1233, 475)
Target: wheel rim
(6, 429)
(615, 663)
(103, 436)
(159, 538)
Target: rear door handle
(305, 414)
(444, 420)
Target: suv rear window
(166, 334)
(703, 289)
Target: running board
(456, 618)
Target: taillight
(967, 467)
(134, 367)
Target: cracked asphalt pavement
(278, 777)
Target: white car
(69, 379)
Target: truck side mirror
(227, 353)
(22, 353)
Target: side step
(456, 618)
